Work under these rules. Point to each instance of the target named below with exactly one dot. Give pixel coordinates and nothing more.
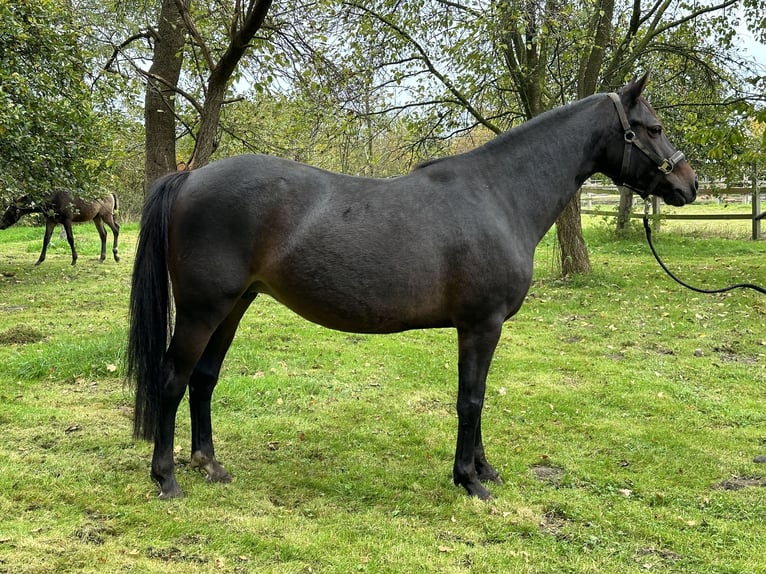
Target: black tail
(150, 304)
(116, 203)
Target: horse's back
(351, 253)
(66, 205)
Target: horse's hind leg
(201, 386)
(115, 227)
(102, 235)
(186, 346)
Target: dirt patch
(650, 556)
(728, 354)
(554, 523)
(93, 533)
(21, 335)
(548, 474)
(738, 483)
(174, 554)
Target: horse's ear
(632, 91)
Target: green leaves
(47, 126)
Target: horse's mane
(514, 132)
(428, 162)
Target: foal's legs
(97, 221)
(115, 227)
(201, 385)
(49, 225)
(475, 347)
(69, 237)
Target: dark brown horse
(66, 209)
(450, 244)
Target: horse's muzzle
(684, 187)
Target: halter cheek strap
(664, 165)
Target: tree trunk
(159, 100)
(625, 210)
(243, 29)
(574, 251)
(207, 135)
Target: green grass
(622, 411)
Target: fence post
(656, 213)
(756, 204)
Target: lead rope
(648, 230)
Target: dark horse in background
(451, 244)
(66, 209)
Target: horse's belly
(360, 311)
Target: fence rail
(601, 195)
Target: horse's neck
(543, 162)
(30, 209)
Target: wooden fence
(595, 196)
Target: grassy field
(623, 412)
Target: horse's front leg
(49, 226)
(475, 347)
(70, 238)
(484, 470)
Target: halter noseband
(664, 165)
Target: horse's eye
(655, 131)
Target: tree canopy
(50, 135)
(364, 87)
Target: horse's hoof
(168, 486)
(478, 490)
(761, 458)
(213, 470)
(475, 488)
(487, 473)
(491, 477)
(172, 493)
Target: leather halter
(664, 165)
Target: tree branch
(191, 28)
(429, 64)
(147, 34)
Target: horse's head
(14, 212)
(644, 160)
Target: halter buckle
(630, 135)
(669, 163)
(665, 167)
